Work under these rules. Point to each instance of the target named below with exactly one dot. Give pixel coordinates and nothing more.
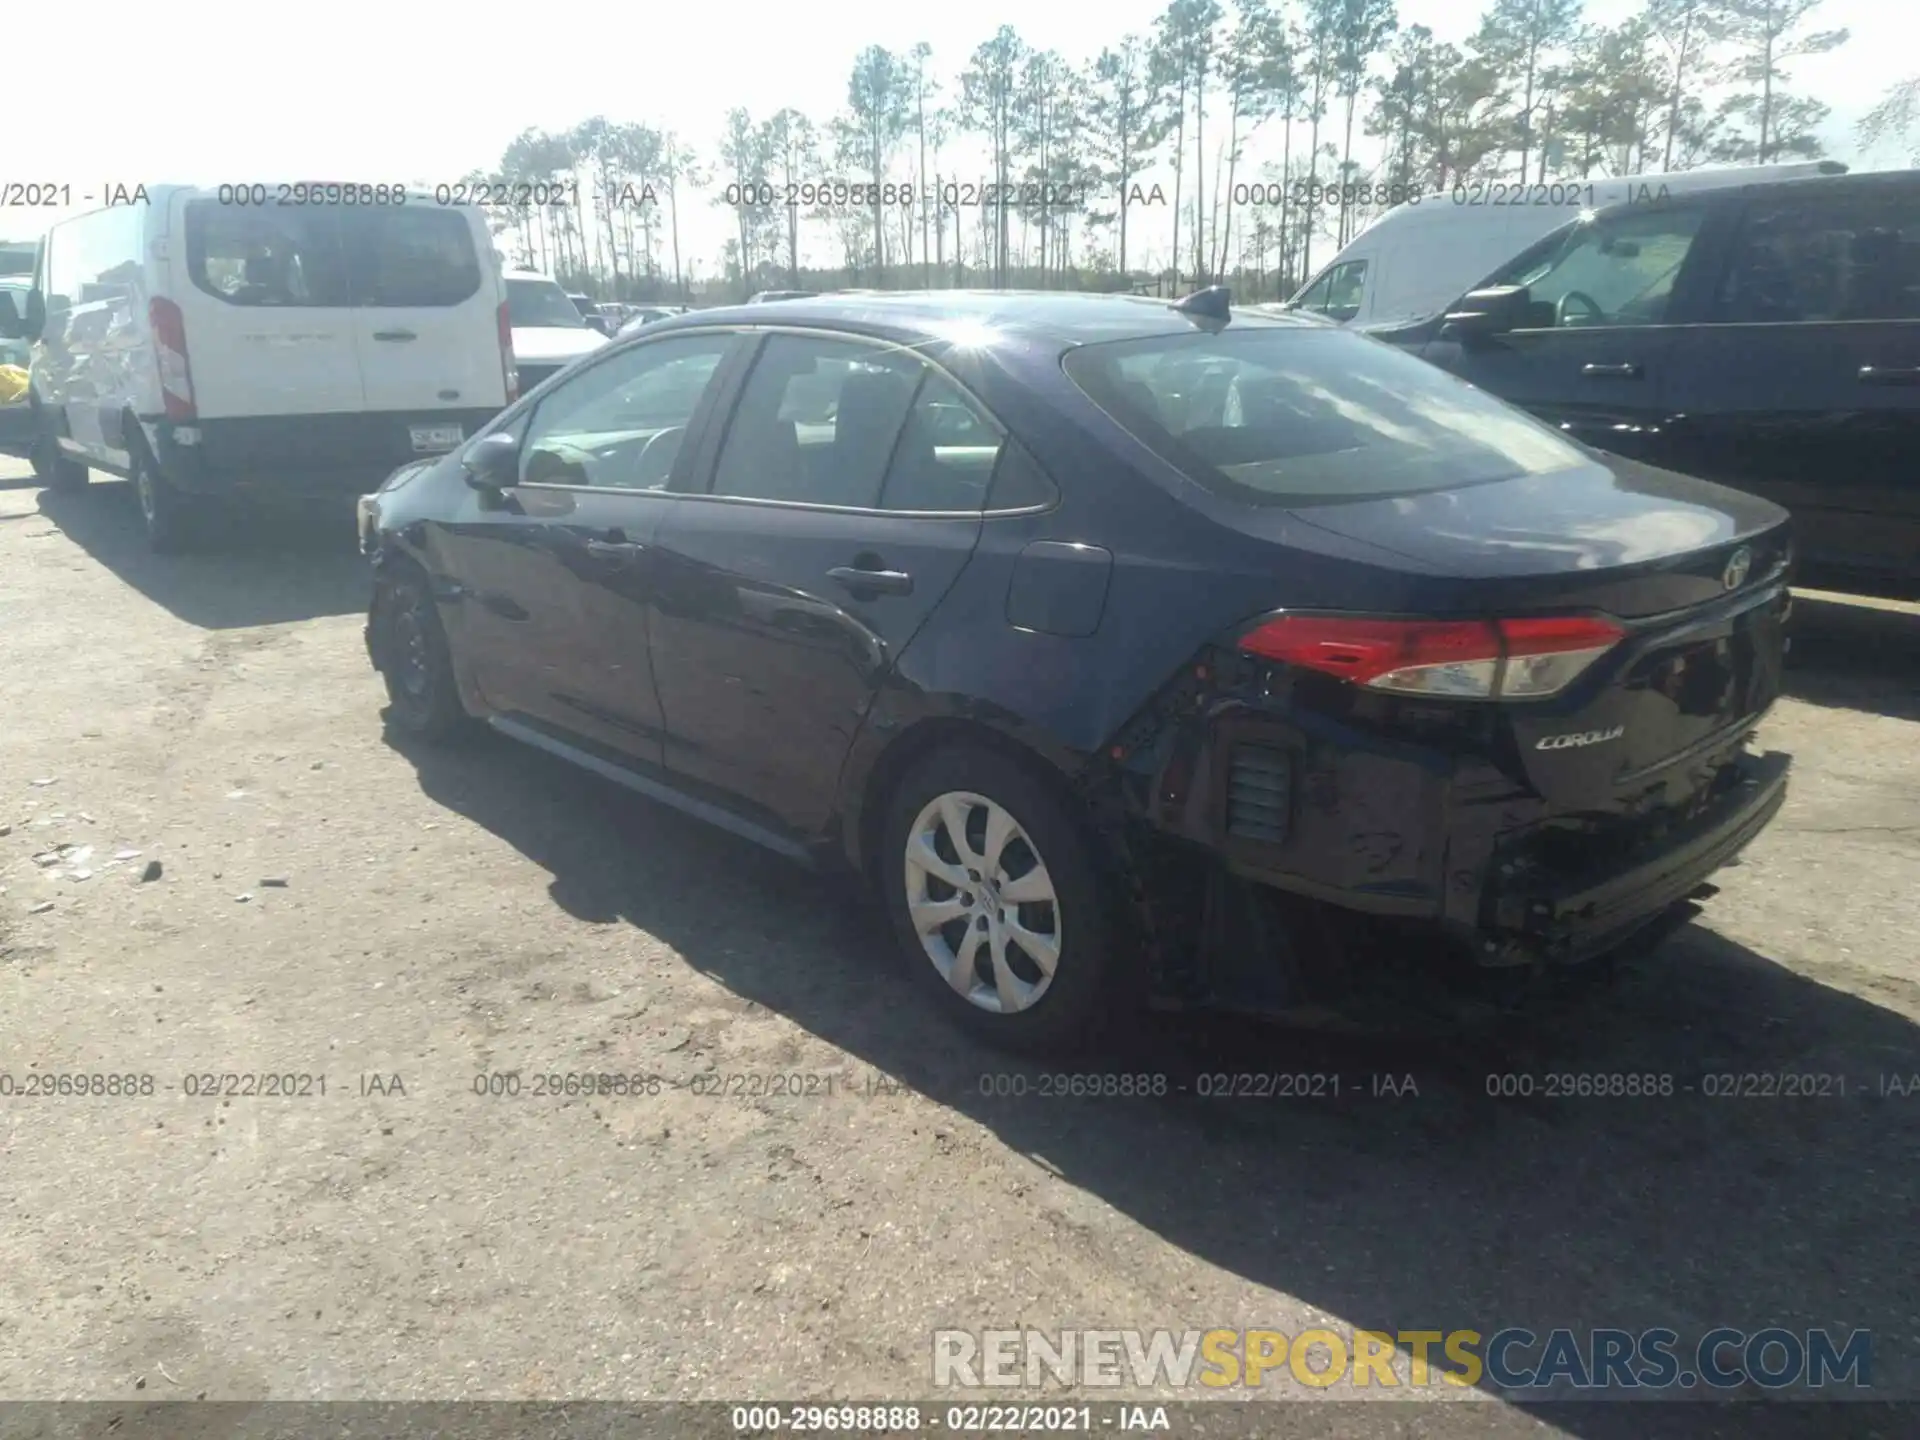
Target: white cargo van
(1420, 257)
(222, 345)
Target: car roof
(1068, 318)
(527, 275)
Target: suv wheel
(997, 902)
(415, 661)
(168, 517)
(54, 469)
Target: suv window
(1618, 270)
(291, 255)
(407, 255)
(1851, 257)
(818, 421)
(1336, 294)
(620, 423)
(1294, 414)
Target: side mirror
(493, 464)
(1483, 314)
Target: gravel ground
(403, 922)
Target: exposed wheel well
(136, 437)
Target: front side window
(619, 424)
(1825, 259)
(1294, 415)
(285, 256)
(1619, 270)
(537, 304)
(1336, 294)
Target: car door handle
(395, 335)
(1889, 375)
(1626, 370)
(863, 583)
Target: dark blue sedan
(1130, 649)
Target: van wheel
(415, 661)
(997, 903)
(169, 518)
(49, 465)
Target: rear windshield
(541, 303)
(388, 257)
(1286, 416)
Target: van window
(1336, 294)
(1828, 258)
(94, 258)
(290, 255)
(408, 255)
(1618, 270)
(1294, 415)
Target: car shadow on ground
(1435, 1206)
(1855, 654)
(264, 569)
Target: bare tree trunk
(1233, 161)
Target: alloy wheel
(982, 902)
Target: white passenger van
(247, 343)
(1421, 256)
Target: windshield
(1286, 416)
(536, 303)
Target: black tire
(416, 664)
(54, 470)
(1092, 982)
(170, 519)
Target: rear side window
(946, 455)
(407, 255)
(1855, 257)
(284, 256)
(817, 422)
(1293, 416)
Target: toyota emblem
(1738, 563)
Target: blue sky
(384, 91)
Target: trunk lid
(1694, 571)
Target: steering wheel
(662, 457)
(1561, 315)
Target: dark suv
(1766, 338)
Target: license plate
(430, 438)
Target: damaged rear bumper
(1572, 916)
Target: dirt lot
(446, 916)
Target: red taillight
(170, 347)
(1485, 659)
(509, 372)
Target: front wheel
(415, 661)
(997, 902)
(51, 467)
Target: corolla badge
(1738, 564)
(1584, 737)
